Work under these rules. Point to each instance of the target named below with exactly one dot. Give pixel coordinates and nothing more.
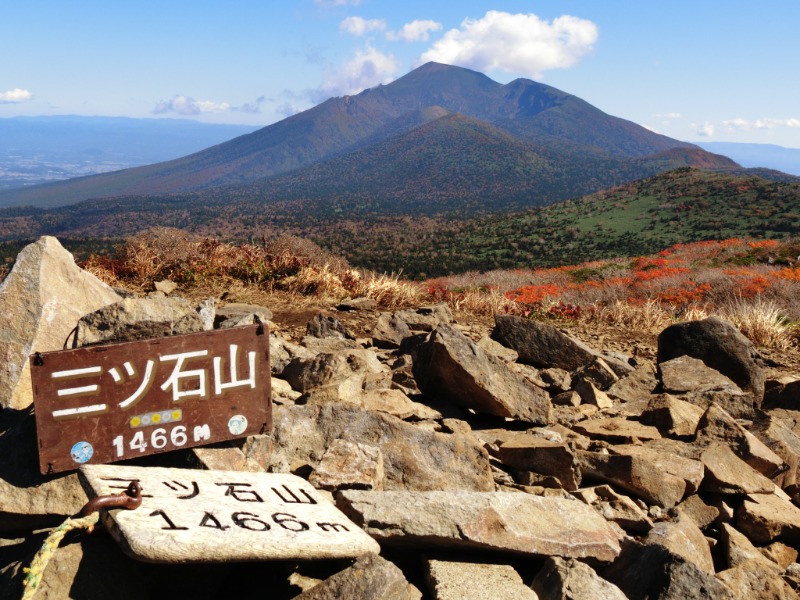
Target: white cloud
(186, 106)
(415, 31)
(766, 123)
(367, 68)
(670, 115)
(360, 25)
(15, 96)
(706, 130)
(519, 43)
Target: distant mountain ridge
(45, 148)
(767, 156)
(557, 126)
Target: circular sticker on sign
(237, 424)
(81, 452)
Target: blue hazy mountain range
(758, 155)
(39, 149)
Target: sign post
(108, 403)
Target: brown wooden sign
(108, 403)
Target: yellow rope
(39, 563)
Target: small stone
(237, 313)
(541, 345)
(591, 395)
(413, 458)
(395, 402)
(225, 459)
(326, 326)
(615, 507)
(357, 304)
(598, 373)
(165, 286)
(570, 398)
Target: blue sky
(704, 70)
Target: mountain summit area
(435, 121)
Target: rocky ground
(489, 458)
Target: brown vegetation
(754, 284)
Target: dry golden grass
(761, 321)
(649, 317)
(387, 290)
(483, 302)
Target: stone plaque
(193, 516)
(107, 403)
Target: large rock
(349, 466)
(726, 473)
(41, 301)
(427, 318)
(720, 346)
(29, 500)
(461, 580)
(672, 416)
(507, 522)
(451, 366)
(325, 326)
(138, 319)
(540, 344)
(328, 369)
(413, 458)
(653, 572)
(684, 538)
(390, 331)
(571, 579)
(756, 581)
(764, 518)
(89, 567)
(737, 549)
(716, 425)
(658, 478)
(529, 453)
(701, 385)
(370, 577)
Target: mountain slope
(528, 110)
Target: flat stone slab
(500, 521)
(192, 516)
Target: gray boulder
(41, 300)
(413, 458)
(720, 346)
(451, 366)
(138, 319)
(541, 345)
